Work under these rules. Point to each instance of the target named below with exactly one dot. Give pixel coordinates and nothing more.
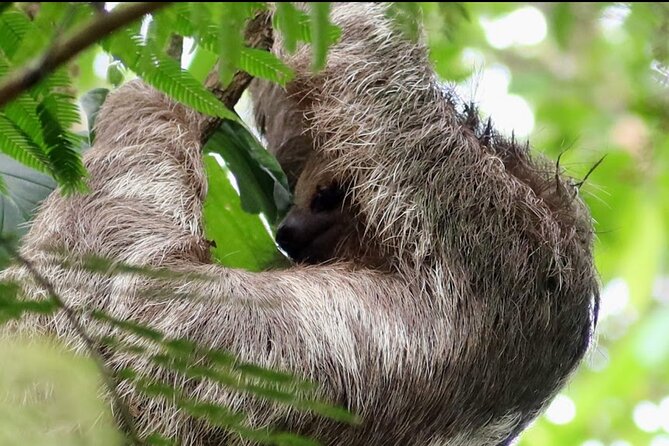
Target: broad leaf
(241, 238)
(232, 19)
(263, 186)
(91, 102)
(26, 188)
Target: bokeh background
(583, 81)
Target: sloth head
(320, 226)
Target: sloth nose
(286, 238)
(306, 236)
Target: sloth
(445, 290)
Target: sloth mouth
(321, 248)
(310, 239)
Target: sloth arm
(351, 329)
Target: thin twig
(65, 49)
(126, 418)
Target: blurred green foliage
(598, 85)
(50, 397)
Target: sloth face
(320, 221)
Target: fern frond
(264, 64)
(14, 143)
(65, 161)
(182, 86)
(23, 113)
(166, 75)
(14, 25)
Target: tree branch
(258, 35)
(65, 49)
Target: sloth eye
(327, 198)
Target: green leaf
(8, 244)
(26, 188)
(16, 144)
(182, 18)
(166, 75)
(287, 20)
(63, 108)
(406, 18)
(8, 299)
(241, 239)
(320, 25)
(180, 85)
(263, 186)
(115, 74)
(233, 16)
(14, 25)
(52, 21)
(68, 168)
(298, 25)
(34, 130)
(157, 389)
(202, 63)
(264, 64)
(202, 24)
(22, 111)
(273, 376)
(161, 28)
(121, 345)
(91, 102)
(217, 415)
(61, 104)
(220, 357)
(51, 397)
(181, 347)
(125, 372)
(13, 307)
(335, 413)
(159, 440)
(129, 326)
(288, 439)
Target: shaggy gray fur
(483, 307)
